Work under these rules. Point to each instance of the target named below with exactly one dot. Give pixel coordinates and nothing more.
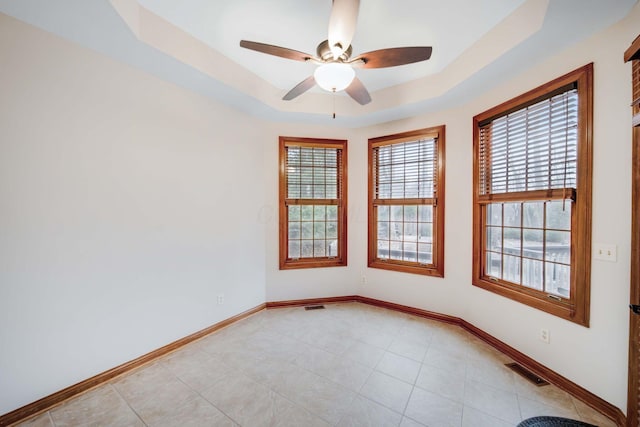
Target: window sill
(536, 300)
(404, 267)
(312, 263)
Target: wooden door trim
(634, 294)
(633, 383)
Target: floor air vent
(533, 378)
(314, 307)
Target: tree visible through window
(532, 197)
(312, 203)
(406, 202)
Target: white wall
(442, 295)
(594, 357)
(126, 206)
(317, 282)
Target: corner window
(406, 202)
(313, 203)
(532, 197)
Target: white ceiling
(194, 43)
(302, 25)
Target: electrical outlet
(220, 299)
(364, 279)
(605, 252)
(544, 335)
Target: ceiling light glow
(334, 77)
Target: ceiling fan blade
(282, 52)
(391, 57)
(300, 88)
(342, 25)
(357, 91)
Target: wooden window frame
(340, 259)
(436, 268)
(576, 307)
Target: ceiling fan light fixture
(334, 77)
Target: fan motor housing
(324, 53)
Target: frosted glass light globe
(334, 77)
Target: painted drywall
(442, 295)
(285, 285)
(594, 357)
(127, 205)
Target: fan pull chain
(334, 103)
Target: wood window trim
(436, 269)
(577, 308)
(341, 259)
(633, 51)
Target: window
(313, 203)
(406, 202)
(532, 197)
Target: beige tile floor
(348, 365)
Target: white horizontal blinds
(406, 170)
(533, 148)
(313, 172)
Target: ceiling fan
(336, 67)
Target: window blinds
(533, 148)
(405, 170)
(636, 91)
(636, 85)
(312, 172)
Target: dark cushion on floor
(552, 422)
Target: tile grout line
(464, 392)
(219, 409)
(291, 362)
(519, 406)
(196, 391)
(115, 389)
(53, 423)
